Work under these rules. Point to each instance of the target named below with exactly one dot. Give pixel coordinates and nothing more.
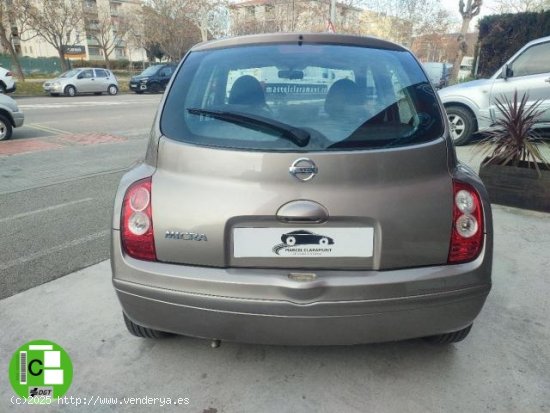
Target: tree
(55, 21)
(468, 11)
(412, 18)
(6, 24)
(166, 23)
(109, 31)
(210, 16)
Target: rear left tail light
(136, 225)
(467, 232)
(9, 74)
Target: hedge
(500, 36)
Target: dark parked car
(305, 237)
(153, 79)
(261, 137)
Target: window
(94, 51)
(120, 52)
(343, 97)
(86, 74)
(101, 73)
(533, 61)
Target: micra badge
(186, 236)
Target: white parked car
(471, 106)
(83, 80)
(7, 81)
(10, 117)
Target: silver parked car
(471, 106)
(10, 117)
(301, 189)
(83, 80)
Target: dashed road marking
(52, 250)
(50, 208)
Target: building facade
(84, 45)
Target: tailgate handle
(302, 211)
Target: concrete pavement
(503, 366)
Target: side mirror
(507, 72)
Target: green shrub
(500, 36)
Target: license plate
(303, 243)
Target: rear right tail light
(136, 226)
(467, 231)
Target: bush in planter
(515, 171)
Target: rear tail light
(467, 232)
(9, 74)
(136, 224)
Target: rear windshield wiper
(297, 136)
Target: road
(118, 115)
(58, 177)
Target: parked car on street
(7, 81)
(438, 73)
(153, 79)
(83, 80)
(10, 117)
(471, 106)
(266, 137)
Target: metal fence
(31, 65)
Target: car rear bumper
(265, 306)
(11, 89)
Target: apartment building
(257, 16)
(83, 44)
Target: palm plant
(513, 139)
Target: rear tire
(143, 332)
(70, 91)
(449, 338)
(5, 128)
(113, 90)
(462, 123)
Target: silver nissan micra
(301, 189)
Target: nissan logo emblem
(303, 169)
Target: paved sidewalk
(503, 366)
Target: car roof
(299, 38)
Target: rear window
(291, 97)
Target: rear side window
(101, 73)
(291, 97)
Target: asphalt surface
(56, 202)
(118, 115)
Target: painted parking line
(47, 209)
(44, 128)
